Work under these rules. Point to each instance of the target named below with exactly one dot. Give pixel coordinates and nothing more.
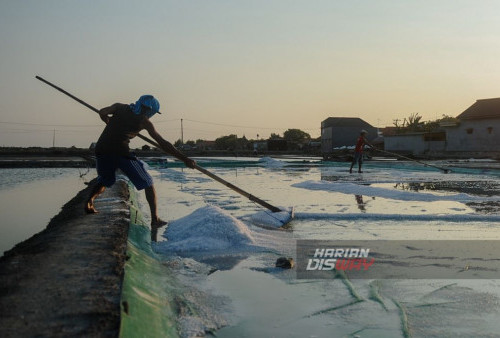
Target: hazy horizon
(245, 68)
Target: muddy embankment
(66, 280)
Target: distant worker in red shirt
(358, 151)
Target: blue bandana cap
(147, 101)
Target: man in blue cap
(124, 122)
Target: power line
(11, 130)
(26, 130)
(161, 121)
(51, 125)
(237, 126)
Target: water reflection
(28, 204)
(361, 203)
(479, 188)
(330, 178)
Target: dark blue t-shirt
(123, 126)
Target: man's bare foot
(158, 223)
(89, 208)
(155, 225)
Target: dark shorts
(358, 158)
(130, 165)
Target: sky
(240, 67)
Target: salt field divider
(146, 300)
(457, 218)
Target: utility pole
(182, 133)
(54, 139)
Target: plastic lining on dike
(86, 275)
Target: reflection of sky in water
(29, 198)
(275, 304)
(180, 191)
(29, 195)
(13, 177)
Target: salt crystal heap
(207, 229)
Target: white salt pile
(206, 229)
(271, 162)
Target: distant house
(477, 129)
(206, 145)
(337, 132)
(475, 132)
(416, 143)
(277, 145)
(260, 145)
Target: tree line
(414, 123)
(294, 137)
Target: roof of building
(481, 109)
(388, 131)
(345, 122)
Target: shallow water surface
(389, 201)
(29, 198)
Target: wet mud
(66, 280)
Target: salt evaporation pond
(229, 256)
(390, 201)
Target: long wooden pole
(410, 159)
(197, 167)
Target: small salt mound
(271, 162)
(272, 219)
(206, 229)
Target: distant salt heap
(206, 229)
(271, 162)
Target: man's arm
(368, 143)
(167, 146)
(105, 113)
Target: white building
(475, 133)
(478, 129)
